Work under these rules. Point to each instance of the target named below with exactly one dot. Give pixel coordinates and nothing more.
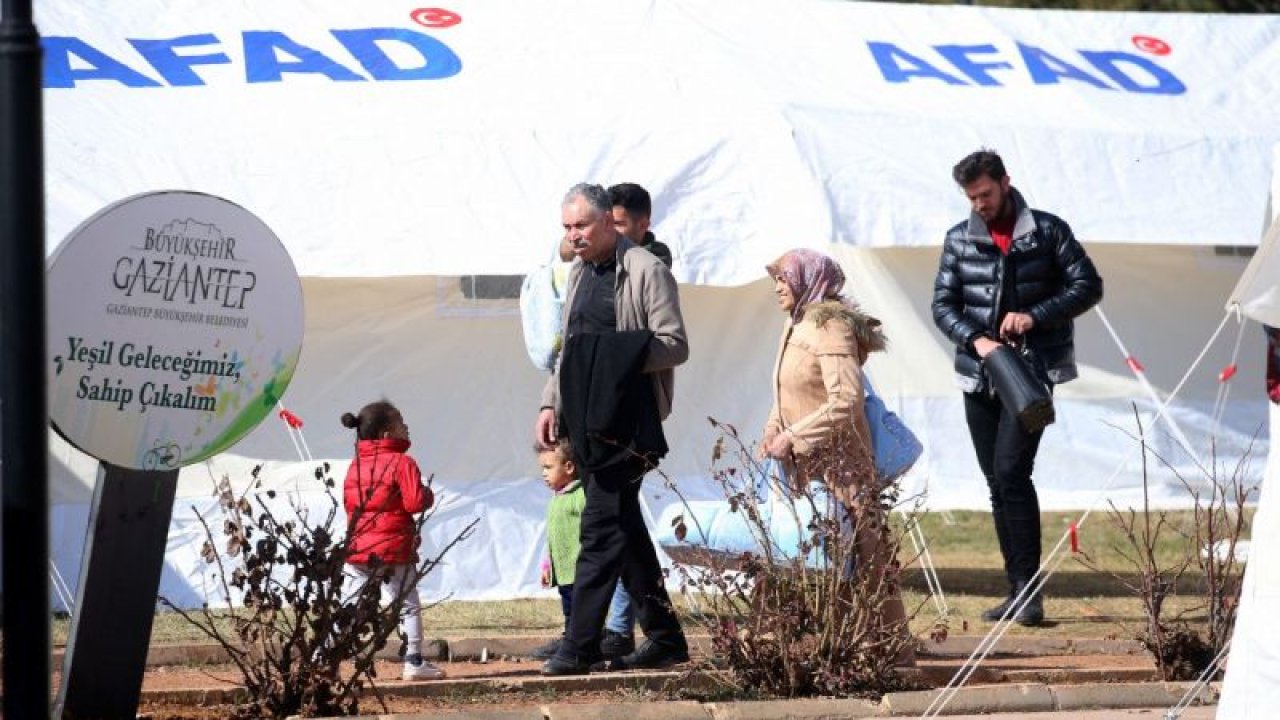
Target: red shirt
(1002, 233)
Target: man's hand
(544, 430)
(1016, 324)
(984, 345)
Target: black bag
(1019, 388)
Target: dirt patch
(432, 706)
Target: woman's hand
(779, 446)
(762, 451)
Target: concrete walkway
(1043, 696)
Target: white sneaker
(422, 671)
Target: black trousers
(1007, 454)
(616, 544)
(566, 603)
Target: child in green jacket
(564, 524)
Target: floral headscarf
(811, 276)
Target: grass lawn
(1080, 602)
(1085, 596)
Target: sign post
(23, 459)
(115, 599)
(175, 325)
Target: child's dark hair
(563, 448)
(373, 421)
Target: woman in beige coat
(817, 426)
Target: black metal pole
(24, 414)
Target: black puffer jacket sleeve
(1082, 286)
(948, 293)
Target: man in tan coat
(616, 288)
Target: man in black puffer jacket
(1009, 274)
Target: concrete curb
(1133, 695)
(799, 709)
(1024, 697)
(678, 710)
(972, 700)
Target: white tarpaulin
(384, 139)
(1251, 688)
(458, 370)
(391, 157)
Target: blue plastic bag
(787, 520)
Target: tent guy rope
(1055, 558)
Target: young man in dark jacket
(1009, 274)
(632, 210)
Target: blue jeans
(622, 612)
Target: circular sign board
(175, 325)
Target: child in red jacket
(382, 493)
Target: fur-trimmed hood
(866, 328)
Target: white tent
(405, 157)
(1251, 688)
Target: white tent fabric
(458, 371)
(1251, 688)
(756, 129)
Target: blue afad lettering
(980, 64)
(268, 56)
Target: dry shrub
(785, 627)
(1183, 649)
(303, 643)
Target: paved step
(466, 648)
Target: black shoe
(561, 665)
(547, 650)
(615, 644)
(994, 614)
(1032, 614)
(651, 656)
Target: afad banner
(175, 325)
(447, 133)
